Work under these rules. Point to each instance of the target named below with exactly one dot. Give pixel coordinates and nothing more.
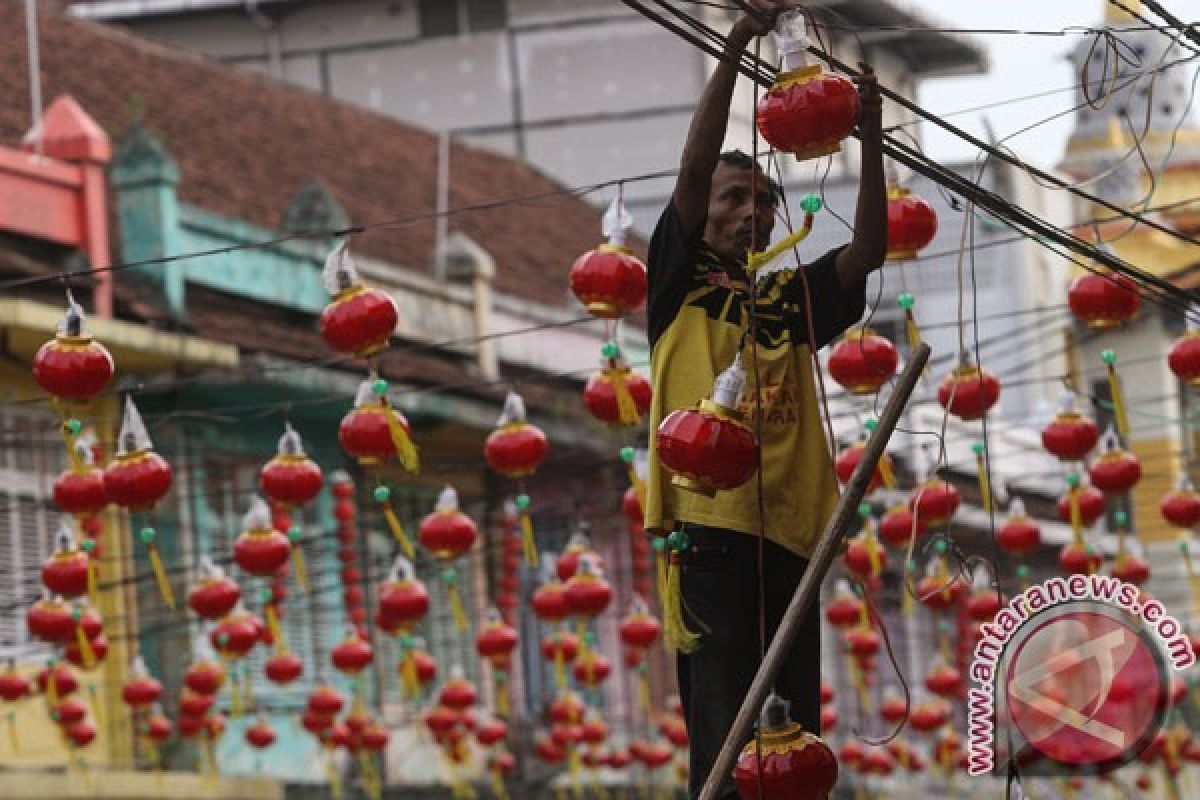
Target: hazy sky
(1020, 65)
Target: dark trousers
(720, 587)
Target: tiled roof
(246, 144)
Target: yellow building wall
(124, 785)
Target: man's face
(736, 220)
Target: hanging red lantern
(827, 693)
(457, 693)
(1070, 436)
(845, 610)
(929, 716)
(157, 728)
(291, 478)
(375, 738)
(1103, 300)
(260, 549)
(1079, 559)
(51, 620)
(709, 448)
(939, 591)
(358, 320)
(631, 507)
(549, 750)
(639, 629)
(403, 600)
(447, 533)
(374, 432)
(236, 634)
(934, 503)
(674, 730)
(65, 682)
(1091, 505)
(615, 394)
(578, 546)
(137, 478)
(192, 704)
(66, 571)
(72, 366)
(284, 668)
(550, 602)
(591, 669)
(1184, 357)
(912, 223)
(609, 280)
(893, 709)
(865, 556)
(424, 665)
(807, 112)
(80, 489)
(190, 727)
(587, 594)
(81, 733)
(496, 640)
(13, 685)
(68, 712)
(944, 680)
(863, 642)
(863, 361)
(969, 392)
(829, 719)
(325, 701)
(351, 655)
(441, 721)
(847, 462)
(1131, 569)
(560, 645)
(260, 735)
(1117, 471)
(516, 447)
(490, 732)
(1181, 507)
(204, 677)
(314, 723)
(1018, 534)
(792, 763)
(896, 526)
(567, 708)
(983, 604)
(140, 690)
(216, 594)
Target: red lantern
(560, 645)
(1070, 436)
(351, 655)
(81, 733)
(893, 709)
(983, 604)
(261, 550)
(403, 600)
(1115, 472)
(1181, 507)
(193, 705)
(291, 478)
(140, 690)
(284, 668)
(927, 717)
(847, 462)
(877, 761)
(863, 361)
(587, 594)
(65, 682)
(934, 502)
(631, 507)
(550, 602)
(424, 664)
(50, 620)
(325, 701)
(1131, 569)
(845, 610)
(1091, 505)
(13, 685)
(578, 546)
(158, 728)
(441, 721)
(829, 718)
(491, 732)
(458, 693)
(72, 366)
(374, 432)
(236, 634)
(549, 750)
(610, 281)
(1103, 300)
(591, 669)
(375, 738)
(1184, 358)
(497, 639)
(81, 492)
(865, 556)
(447, 533)
(358, 320)
(137, 481)
(639, 629)
(314, 723)
(792, 763)
(944, 680)
(617, 395)
(260, 735)
(896, 526)
(709, 448)
(1079, 559)
(969, 392)
(827, 693)
(1018, 534)
(191, 726)
(68, 712)
(807, 112)
(66, 572)
(863, 642)
(215, 595)
(912, 223)
(938, 590)
(566, 709)
(204, 677)
(515, 448)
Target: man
(699, 296)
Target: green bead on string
(610, 350)
(1022, 571)
(294, 533)
(1120, 518)
(74, 426)
(628, 454)
(940, 547)
(811, 203)
(87, 545)
(659, 544)
(379, 388)
(678, 541)
(977, 448)
(148, 534)
(906, 301)
(1109, 357)
(450, 575)
(870, 425)
(382, 494)
(1073, 480)
(523, 502)
(864, 510)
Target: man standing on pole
(733, 593)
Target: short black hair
(740, 160)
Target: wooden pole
(810, 585)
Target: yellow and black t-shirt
(697, 315)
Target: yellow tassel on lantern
(248, 692)
(575, 768)
(235, 696)
(210, 758)
(409, 678)
(675, 629)
(502, 705)
(874, 556)
(887, 472)
(627, 411)
(300, 566)
(77, 465)
(97, 706)
(498, 787)
(160, 577)
(660, 576)
(527, 540)
(860, 686)
(906, 595)
(1076, 516)
(335, 780)
(406, 451)
(560, 669)
(639, 485)
(13, 738)
(397, 529)
(912, 331)
(456, 607)
(273, 627)
(51, 687)
(85, 648)
(92, 570)
(985, 489)
(1120, 418)
(644, 693)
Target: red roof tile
(246, 144)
